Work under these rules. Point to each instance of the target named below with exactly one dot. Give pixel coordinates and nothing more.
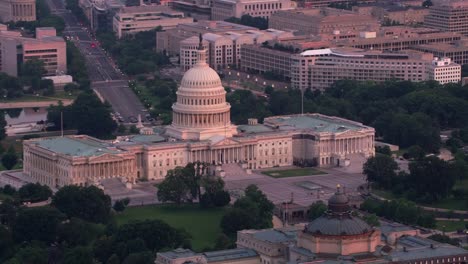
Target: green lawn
(384, 194)
(202, 224)
(450, 203)
(450, 226)
(4, 196)
(293, 172)
(33, 98)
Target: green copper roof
(315, 122)
(253, 128)
(76, 146)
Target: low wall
(34, 104)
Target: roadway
(106, 79)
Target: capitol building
(201, 130)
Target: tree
(3, 124)
(77, 232)
(381, 170)
(385, 150)
(134, 130)
(252, 211)
(431, 178)
(91, 117)
(139, 258)
(31, 255)
(78, 255)
(155, 234)
(88, 203)
(427, 3)
(121, 204)
(31, 72)
(316, 210)
(372, 220)
(221, 198)
(415, 152)
(236, 219)
(10, 159)
(173, 188)
(34, 192)
(37, 223)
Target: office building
(224, 9)
(169, 41)
(17, 10)
(100, 13)
(46, 46)
(448, 16)
(457, 52)
(443, 70)
(322, 21)
(133, 19)
(318, 69)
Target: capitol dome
(201, 111)
(201, 76)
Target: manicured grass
(4, 196)
(384, 194)
(450, 226)
(33, 98)
(202, 224)
(450, 203)
(293, 172)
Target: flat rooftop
(76, 146)
(316, 122)
(275, 236)
(411, 247)
(230, 254)
(178, 253)
(217, 26)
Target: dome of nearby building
(338, 220)
(338, 232)
(343, 226)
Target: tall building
(46, 46)
(223, 9)
(100, 13)
(444, 71)
(322, 21)
(318, 69)
(325, 3)
(17, 10)
(201, 130)
(169, 41)
(448, 16)
(133, 19)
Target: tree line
(134, 54)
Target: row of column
(104, 169)
(202, 120)
(23, 10)
(347, 145)
(227, 155)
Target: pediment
(104, 158)
(224, 142)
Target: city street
(110, 83)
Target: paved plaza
(304, 189)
